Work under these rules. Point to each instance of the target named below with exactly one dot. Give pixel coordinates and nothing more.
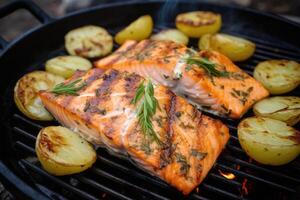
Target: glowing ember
(227, 175)
(244, 187)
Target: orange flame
(227, 175)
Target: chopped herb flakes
(241, 95)
(166, 76)
(181, 159)
(199, 155)
(178, 114)
(93, 109)
(186, 126)
(145, 146)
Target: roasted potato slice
(171, 34)
(197, 23)
(26, 93)
(62, 152)
(66, 66)
(286, 109)
(139, 29)
(269, 141)
(89, 41)
(278, 76)
(235, 48)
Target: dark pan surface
(112, 177)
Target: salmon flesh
(102, 112)
(165, 63)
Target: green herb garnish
(70, 88)
(146, 109)
(207, 65)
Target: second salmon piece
(166, 63)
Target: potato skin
(269, 141)
(278, 76)
(26, 93)
(235, 48)
(138, 30)
(62, 152)
(66, 66)
(89, 41)
(197, 23)
(285, 108)
(171, 34)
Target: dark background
(20, 21)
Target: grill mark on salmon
(164, 62)
(191, 141)
(167, 151)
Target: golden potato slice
(171, 34)
(286, 109)
(89, 41)
(66, 66)
(235, 48)
(26, 93)
(197, 23)
(278, 76)
(269, 141)
(139, 29)
(63, 152)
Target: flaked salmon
(166, 63)
(103, 113)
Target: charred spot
(51, 144)
(109, 77)
(97, 73)
(131, 84)
(295, 137)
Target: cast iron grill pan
(112, 177)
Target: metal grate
(112, 178)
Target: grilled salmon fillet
(165, 63)
(103, 113)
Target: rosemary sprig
(207, 65)
(146, 109)
(69, 88)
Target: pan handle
(29, 5)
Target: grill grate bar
(256, 167)
(103, 188)
(25, 147)
(24, 133)
(133, 172)
(243, 174)
(236, 149)
(17, 116)
(270, 46)
(279, 52)
(271, 54)
(39, 171)
(122, 181)
(258, 58)
(198, 197)
(222, 192)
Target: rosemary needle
(146, 109)
(70, 88)
(207, 65)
